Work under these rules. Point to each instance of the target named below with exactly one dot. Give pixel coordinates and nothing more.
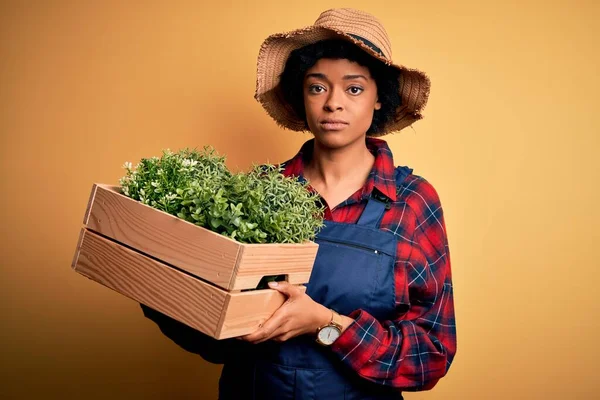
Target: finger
(285, 336)
(280, 331)
(265, 331)
(269, 327)
(256, 335)
(261, 335)
(286, 288)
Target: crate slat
(196, 303)
(194, 249)
(208, 255)
(172, 292)
(245, 311)
(258, 260)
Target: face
(340, 97)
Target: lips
(333, 124)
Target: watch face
(328, 335)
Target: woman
(377, 317)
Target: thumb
(284, 287)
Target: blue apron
(354, 269)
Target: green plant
(260, 206)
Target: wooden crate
(190, 273)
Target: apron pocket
(274, 382)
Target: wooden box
(199, 277)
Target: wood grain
(244, 312)
(192, 248)
(182, 296)
(258, 260)
(172, 292)
(86, 216)
(218, 259)
(77, 248)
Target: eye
(355, 90)
(316, 89)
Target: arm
(416, 349)
(192, 340)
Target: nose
(334, 101)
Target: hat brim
(414, 84)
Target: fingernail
(273, 284)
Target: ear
(378, 106)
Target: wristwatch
(329, 333)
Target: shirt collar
(381, 177)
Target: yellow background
(510, 141)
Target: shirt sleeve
(416, 349)
(193, 341)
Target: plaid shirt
(413, 351)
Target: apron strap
(377, 204)
(401, 174)
(373, 212)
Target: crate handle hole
(264, 282)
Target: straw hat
(355, 26)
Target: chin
(336, 139)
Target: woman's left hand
(298, 315)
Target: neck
(331, 167)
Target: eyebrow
(346, 77)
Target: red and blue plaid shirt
(413, 351)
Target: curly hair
(304, 58)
